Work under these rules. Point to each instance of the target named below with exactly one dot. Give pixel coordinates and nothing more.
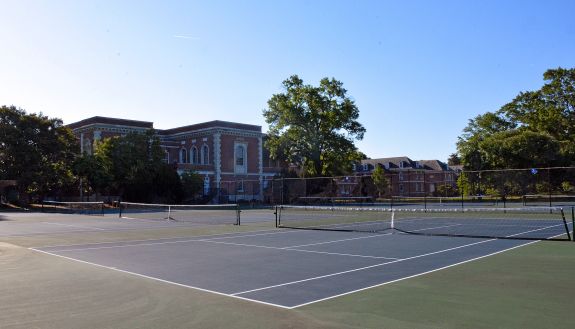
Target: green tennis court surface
(496, 291)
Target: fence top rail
(515, 169)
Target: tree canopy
(536, 129)
(314, 127)
(37, 151)
(135, 169)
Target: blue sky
(417, 70)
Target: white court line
(360, 269)
(292, 249)
(154, 239)
(411, 276)
(161, 280)
(271, 304)
(88, 228)
(424, 273)
(381, 264)
(340, 240)
(218, 242)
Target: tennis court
(144, 271)
(280, 267)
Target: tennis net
(532, 200)
(537, 223)
(440, 201)
(84, 208)
(200, 214)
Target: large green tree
(137, 168)
(314, 127)
(37, 151)
(95, 173)
(536, 129)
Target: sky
(417, 70)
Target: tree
(138, 170)
(537, 128)
(95, 172)
(314, 127)
(379, 180)
(454, 160)
(192, 184)
(37, 151)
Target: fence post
(282, 191)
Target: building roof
(406, 163)
(210, 124)
(394, 162)
(111, 121)
(98, 120)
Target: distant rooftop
(111, 121)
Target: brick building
(411, 178)
(230, 156)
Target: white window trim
(241, 169)
(193, 155)
(205, 154)
(183, 155)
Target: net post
(573, 222)
(276, 214)
(565, 223)
(119, 208)
(392, 224)
(238, 214)
(169, 213)
(102, 208)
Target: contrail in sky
(186, 37)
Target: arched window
(183, 156)
(205, 154)
(194, 155)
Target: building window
(167, 156)
(194, 155)
(240, 158)
(400, 176)
(240, 186)
(183, 156)
(205, 154)
(87, 146)
(418, 187)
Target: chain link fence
(497, 188)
